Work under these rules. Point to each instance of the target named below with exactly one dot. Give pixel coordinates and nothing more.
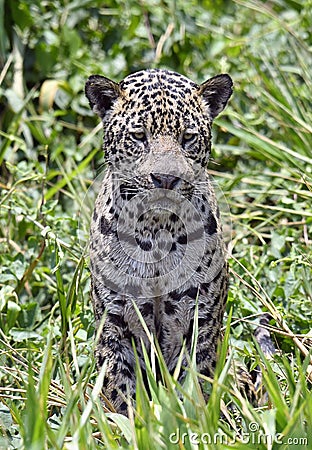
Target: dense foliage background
(50, 154)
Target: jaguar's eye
(188, 137)
(139, 136)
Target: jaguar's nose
(164, 181)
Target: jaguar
(157, 255)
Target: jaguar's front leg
(114, 349)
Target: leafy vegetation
(50, 154)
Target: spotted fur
(156, 234)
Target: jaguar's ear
(216, 91)
(101, 93)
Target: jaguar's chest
(153, 243)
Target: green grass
(50, 391)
